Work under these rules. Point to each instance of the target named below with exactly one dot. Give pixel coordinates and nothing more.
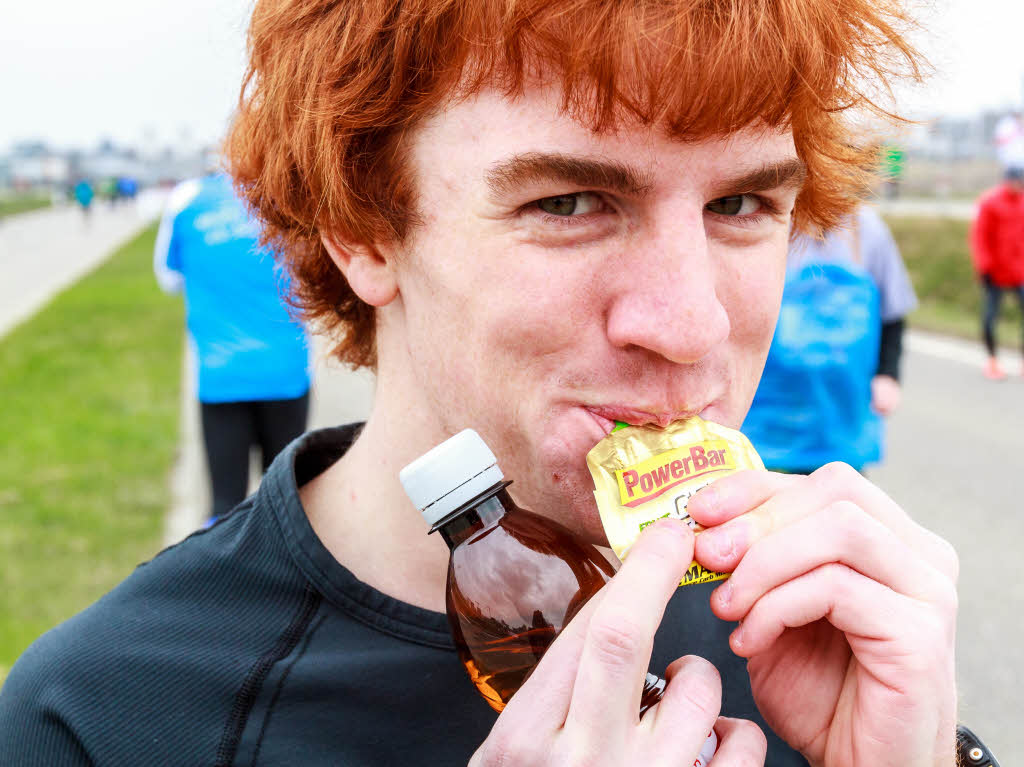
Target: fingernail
(726, 544)
(677, 526)
(737, 637)
(721, 542)
(706, 498)
(725, 593)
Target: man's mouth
(607, 416)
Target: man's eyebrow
(522, 169)
(789, 173)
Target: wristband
(970, 751)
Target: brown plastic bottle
(515, 578)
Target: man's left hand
(848, 611)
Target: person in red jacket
(997, 245)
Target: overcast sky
(154, 72)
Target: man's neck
(361, 514)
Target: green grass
(22, 204)
(937, 257)
(88, 430)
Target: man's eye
(576, 204)
(735, 205)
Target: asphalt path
(338, 396)
(958, 209)
(956, 464)
(44, 251)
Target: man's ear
(369, 272)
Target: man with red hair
(533, 219)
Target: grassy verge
(21, 204)
(937, 257)
(88, 429)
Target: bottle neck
(480, 514)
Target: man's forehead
(506, 139)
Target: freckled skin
(513, 322)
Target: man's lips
(606, 416)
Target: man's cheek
(754, 304)
(528, 331)
(752, 327)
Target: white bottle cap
(456, 471)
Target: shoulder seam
(245, 698)
(280, 686)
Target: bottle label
(644, 473)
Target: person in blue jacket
(833, 368)
(252, 356)
(83, 193)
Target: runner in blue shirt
(252, 356)
(833, 367)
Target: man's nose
(666, 299)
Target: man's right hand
(581, 704)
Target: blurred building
(950, 138)
(35, 166)
(949, 156)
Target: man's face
(560, 280)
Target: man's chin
(570, 502)
(557, 483)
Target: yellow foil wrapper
(645, 473)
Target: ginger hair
(333, 86)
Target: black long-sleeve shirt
(249, 644)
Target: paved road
(44, 251)
(339, 396)
(958, 209)
(956, 463)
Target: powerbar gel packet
(645, 473)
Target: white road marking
(957, 350)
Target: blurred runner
(83, 196)
(252, 357)
(127, 187)
(893, 160)
(1009, 139)
(997, 246)
(108, 189)
(833, 366)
